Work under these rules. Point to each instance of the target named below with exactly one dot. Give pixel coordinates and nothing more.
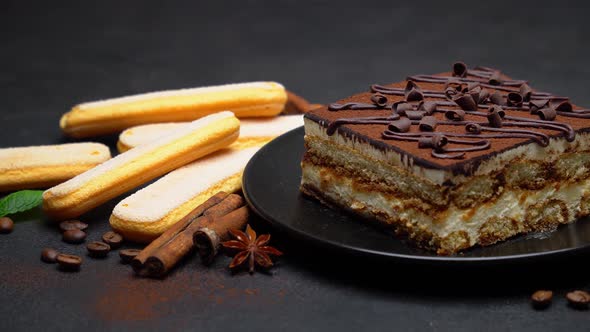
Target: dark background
(56, 54)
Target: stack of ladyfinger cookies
(191, 139)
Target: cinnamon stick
(230, 203)
(167, 256)
(163, 261)
(178, 245)
(139, 260)
(211, 233)
(297, 105)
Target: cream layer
(510, 205)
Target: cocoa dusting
(133, 299)
(25, 278)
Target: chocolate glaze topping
(482, 112)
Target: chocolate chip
(69, 262)
(428, 107)
(379, 99)
(455, 115)
(6, 225)
(495, 115)
(49, 255)
(471, 86)
(514, 99)
(74, 236)
(466, 102)
(526, 92)
(70, 225)
(428, 123)
(496, 78)
(414, 95)
(450, 93)
(578, 299)
(473, 128)
(413, 92)
(435, 141)
(98, 249)
(400, 126)
(411, 85)
(127, 255)
(414, 115)
(541, 299)
(475, 92)
(438, 141)
(547, 114)
(459, 69)
(483, 96)
(561, 105)
(453, 83)
(496, 98)
(401, 107)
(536, 105)
(425, 142)
(113, 239)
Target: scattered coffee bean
(74, 236)
(98, 249)
(578, 299)
(541, 299)
(49, 255)
(6, 225)
(113, 239)
(127, 255)
(69, 262)
(70, 225)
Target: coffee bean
(6, 225)
(541, 299)
(70, 225)
(113, 239)
(127, 255)
(49, 255)
(578, 299)
(98, 249)
(69, 262)
(74, 236)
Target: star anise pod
(250, 250)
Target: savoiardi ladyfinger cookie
(137, 166)
(252, 131)
(149, 212)
(39, 167)
(256, 99)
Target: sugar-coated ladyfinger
(252, 131)
(137, 166)
(149, 212)
(35, 167)
(257, 99)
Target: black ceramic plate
(271, 186)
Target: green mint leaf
(20, 201)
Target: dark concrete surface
(56, 54)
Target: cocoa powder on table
(131, 298)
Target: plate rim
(285, 227)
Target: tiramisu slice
(453, 160)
